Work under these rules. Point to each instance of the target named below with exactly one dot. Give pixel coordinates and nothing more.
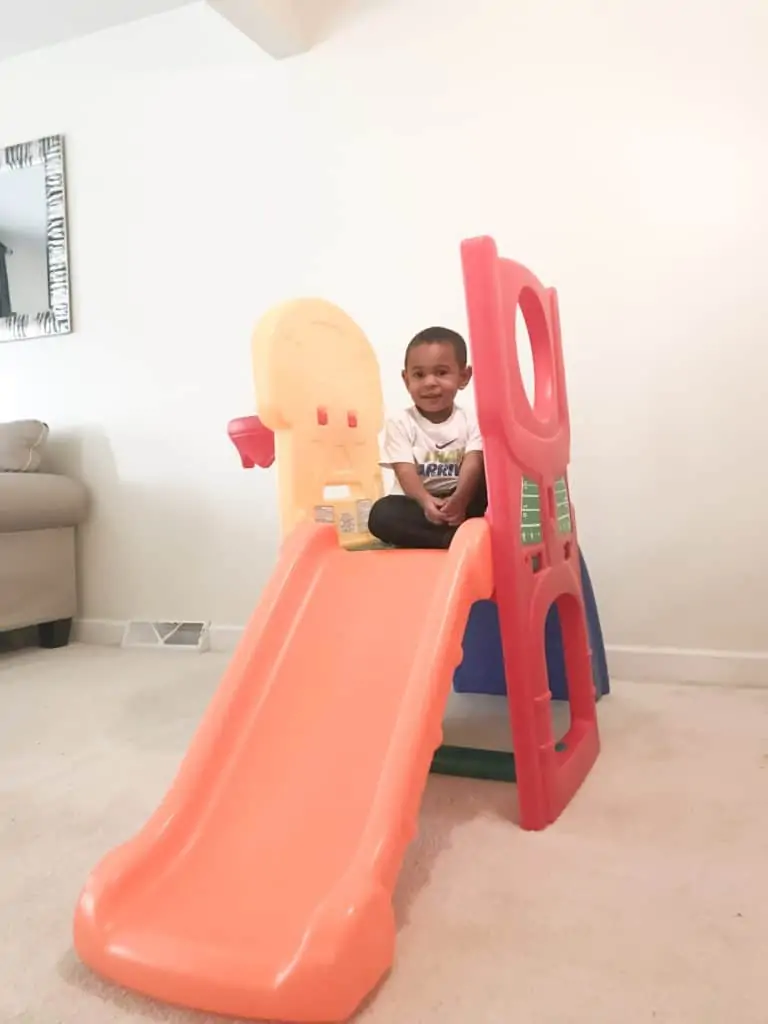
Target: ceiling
(32, 24)
(281, 27)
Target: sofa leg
(54, 634)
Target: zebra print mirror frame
(57, 318)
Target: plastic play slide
(262, 885)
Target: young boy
(434, 448)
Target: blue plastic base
(482, 669)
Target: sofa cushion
(40, 501)
(21, 445)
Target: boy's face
(433, 376)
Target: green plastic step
(476, 763)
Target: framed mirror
(34, 259)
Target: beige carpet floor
(647, 901)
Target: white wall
(617, 149)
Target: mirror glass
(23, 248)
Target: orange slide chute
(262, 885)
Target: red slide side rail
(530, 440)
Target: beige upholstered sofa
(39, 513)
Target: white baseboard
(688, 665)
(639, 664)
(102, 632)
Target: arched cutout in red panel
(560, 709)
(578, 664)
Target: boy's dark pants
(400, 521)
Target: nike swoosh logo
(441, 446)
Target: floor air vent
(179, 636)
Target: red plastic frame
(530, 440)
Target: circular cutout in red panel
(534, 354)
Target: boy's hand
(454, 510)
(433, 509)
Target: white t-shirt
(436, 449)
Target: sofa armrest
(40, 501)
